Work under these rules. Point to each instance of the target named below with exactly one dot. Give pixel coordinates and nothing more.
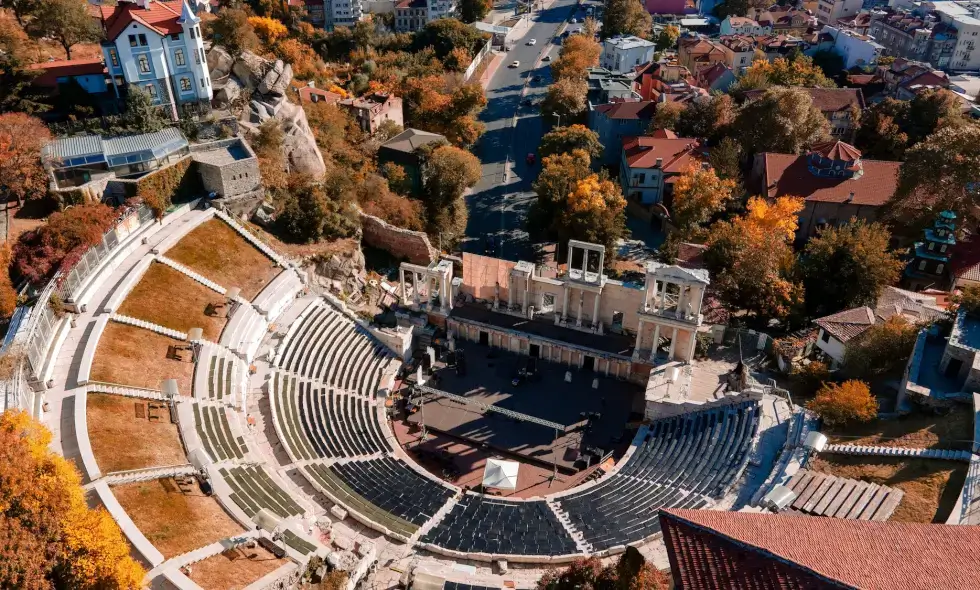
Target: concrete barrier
(89, 463)
(88, 353)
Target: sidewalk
(495, 60)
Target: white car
(515, 64)
(532, 42)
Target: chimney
(660, 163)
(311, 84)
(850, 197)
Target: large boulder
(250, 70)
(277, 79)
(228, 91)
(300, 146)
(219, 62)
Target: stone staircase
(190, 273)
(566, 523)
(899, 452)
(125, 390)
(148, 474)
(131, 321)
(821, 494)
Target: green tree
(831, 62)
(939, 173)
(880, 135)
(66, 21)
(471, 11)
(626, 17)
(708, 117)
(849, 402)
(881, 351)
(141, 115)
(446, 34)
(782, 120)
(573, 137)
(667, 39)
(310, 211)
(848, 266)
(968, 300)
(666, 116)
(232, 30)
(448, 172)
(726, 160)
(566, 99)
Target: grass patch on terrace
(175, 522)
(172, 299)
(121, 440)
(931, 486)
(216, 251)
(128, 355)
(234, 569)
(919, 430)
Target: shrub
(882, 351)
(810, 377)
(66, 234)
(968, 299)
(161, 188)
(848, 402)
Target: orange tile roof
(848, 324)
(788, 174)
(828, 100)
(676, 153)
(52, 70)
(717, 549)
(837, 150)
(159, 16)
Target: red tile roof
(711, 549)
(677, 153)
(709, 75)
(828, 100)
(787, 174)
(837, 150)
(642, 109)
(848, 324)
(311, 94)
(927, 79)
(52, 70)
(159, 16)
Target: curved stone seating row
(253, 489)
(124, 287)
(325, 345)
(214, 430)
(488, 525)
(244, 331)
(386, 491)
(319, 422)
(682, 462)
(219, 375)
(277, 295)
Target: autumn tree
(267, 144)
(809, 378)
(566, 139)
(306, 64)
(447, 173)
(631, 572)
(939, 173)
(471, 11)
(626, 17)
(233, 31)
(8, 295)
(801, 72)
(892, 126)
(848, 266)
(590, 27)
(560, 173)
(51, 538)
(667, 39)
(566, 100)
(38, 252)
(751, 259)
(376, 197)
(21, 140)
(881, 351)
(578, 53)
(445, 34)
(846, 403)
(398, 179)
(440, 105)
(16, 54)
(968, 300)
(666, 116)
(782, 120)
(698, 195)
(707, 117)
(726, 160)
(268, 30)
(308, 211)
(66, 21)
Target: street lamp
(558, 117)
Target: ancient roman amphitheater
(213, 399)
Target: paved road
(499, 202)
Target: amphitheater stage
(547, 396)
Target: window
(132, 40)
(932, 245)
(192, 34)
(142, 40)
(114, 58)
(922, 265)
(197, 57)
(198, 29)
(185, 84)
(175, 36)
(201, 51)
(939, 268)
(179, 57)
(151, 89)
(825, 336)
(942, 248)
(144, 63)
(202, 83)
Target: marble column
(673, 344)
(595, 311)
(656, 343)
(581, 301)
(401, 277)
(639, 339)
(564, 304)
(694, 342)
(652, 303)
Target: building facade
(649, 164)
(372, 110)
(158, 47)
(830, 11)
(856, 49)
(623, 53)
(740, 25)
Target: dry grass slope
(931, 486)
(234, 569)
(216, 251)
(133, 356)
(919, 429)
(174, 300)
(122, 441)
(175, 522)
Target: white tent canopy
(500, 474)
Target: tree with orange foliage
(698, 195)
(752, 262)
(21, 140)
(306, 64)
(631, 572)
(578, 52)
(51, 537)
(800, 72)
(882, 350)
(8, 295)
(268, 29)
(439, 104)
(846, 403)
(458, 60)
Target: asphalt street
(498, 204)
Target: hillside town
(487, 294)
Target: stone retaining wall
(413, 246)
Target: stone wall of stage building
(404, 244)
(224, 176)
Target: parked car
(515, 64)
(536, 78)
(531, 159)
(547, 58)
(532, 42)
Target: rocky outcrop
(342, 271)
(268, 83)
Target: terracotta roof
(711, 549)
(927, 79)
(676, 154)
(52, 70)
(828, 100)
(741, 21)
(837, 150)
(159, 16)
(642, 109)
(663, 134)
(847, 324)
(862, 79)
(311, 94)
(965, 263)
(787, 174)
(691, 255)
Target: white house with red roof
(649, 164)
(158, 47)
